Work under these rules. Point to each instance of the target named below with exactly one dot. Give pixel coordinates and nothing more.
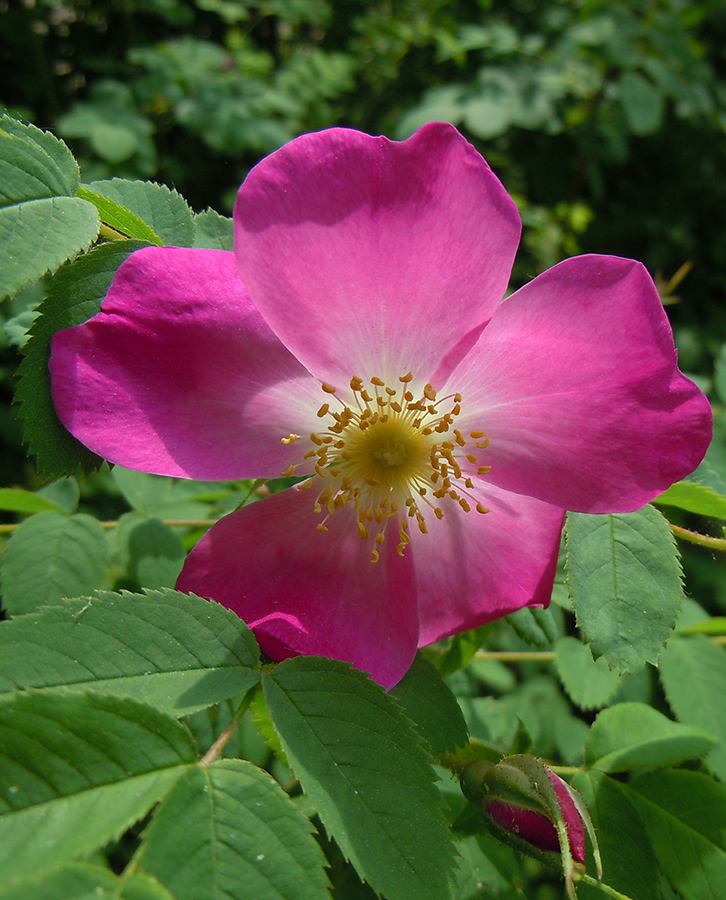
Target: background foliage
(606, 120)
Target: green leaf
(156, 555)
(535, 626)
(686, 816)
(52, 556)
(589, 683)
(462, 650)
(628, 860)
(42, 223)
(695, 498)
(120, 218)
(486, 868)
(165, 211)
(364, 768)
(625, 584)
(429, 703)
(642, 103)
(74, 296)
(231, 832)
(214, 232)
(21, 501)
(174, 651)
(630, 735)
(81, 881)
(693, 673)
(144, 492)
(76, 770)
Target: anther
(328, 388)
(377, 382)
(291, 439)
(290, 470)
(406, 378)
(323, 411)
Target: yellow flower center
(393, 456)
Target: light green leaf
(693, 673)
(174, 651)
(75, 295)
(81, 881)
(625, 583)
(144, 492)
(42, 223)
(164, 210)
(231, 832)
(695, 498)
(118, 217)
(52, 556)
(686, 816)
(589, 683)
(21, 501)
(430, 705)
(76, 770)
(214, 232)
(631, 735)
(628, 860)
(364, 768)
(156, 555)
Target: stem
(605, 888)
(214, 752)
(703, 540)
(517, 655)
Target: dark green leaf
(81, 881)
(74, 296)
(52, 556)
(589, 683)
(76, 770)
(231, 832)
(642, 103)
(42, 223)
(164, 210)
(625, 583)
(176, 652)
(462, 649)
(535, 626)
(686, 816)
(156, 555)
(364, 768)
(631, 735)
(429, 703)
(628, 860)
(693, 672)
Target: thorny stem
(703, 540)
(605, 888)
(214, 752)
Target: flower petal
(575, 382)
(393, 255)
(307, 592)
(179, 374)
(472, 568)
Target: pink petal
(472, 568)
(575, 383)
(180, 375)
(303, 591)
(393, 255)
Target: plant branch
(695, 537)
(215, 751)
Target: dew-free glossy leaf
(686, 816)
(628, 860)
(82, 881)
(22, 501)
(164, 210)
(625, 584)
(74, 296)
(214, 232)
(42, 223)
(231, 832)
(118, 217)
(589, 682)
(428, 702)
(693, 674)
(52, 556)
(364, 768)
(174, 651)
(632, 735)
(695, 498)
(76, 770)
(156, 554)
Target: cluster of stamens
(391, 454)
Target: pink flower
(539, 830)
(365, 345)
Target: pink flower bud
(538, 829)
